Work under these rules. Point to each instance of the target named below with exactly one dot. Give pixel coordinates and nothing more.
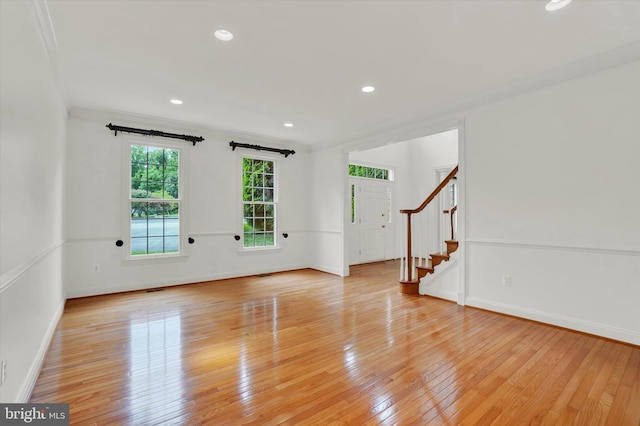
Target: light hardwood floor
(304, 347)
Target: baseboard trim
(441, 294)
(602, 330)
(26, 390)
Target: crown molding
(44, 24)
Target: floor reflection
(155, 370)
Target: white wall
(32, 146)
(327, 210)
(94, 206)
(553, 195)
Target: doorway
(370, 227)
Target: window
(259, 202)
(353, 203)
(369, 172)
(155, 200)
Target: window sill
(154, 259)
(259, 250)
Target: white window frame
(182, 200)
(242, 154)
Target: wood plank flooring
(304, 347)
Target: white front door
(370, 222)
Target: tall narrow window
(155, 200)
(259, 202)
(353, 203)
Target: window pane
(138, 210)
(155, 155)
(138, 245)
(256, 179)
(171, 183)
(155, 245)
(268, 195)
(140, 190)
(171, 244)
(155, 226)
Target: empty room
(320, 212)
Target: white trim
(462, 213)
(540, 245)
(36, 366)
(451, 296)
(203, 234)
(10, 277)
(46, 31)
(597, 329)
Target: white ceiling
(305, 61)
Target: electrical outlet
(96, 268)
(3, 371)
(506, 280)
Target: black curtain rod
(192, 139)
(285, 152)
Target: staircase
(412, 267)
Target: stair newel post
(418, 261)
(402, 255)
(410, 265)
(454, 210)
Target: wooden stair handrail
(433, 195)
(408, 279)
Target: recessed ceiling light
(224, 35)
(288, 124)
(176, 101)
(554, 5)
(368, 89)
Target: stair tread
(427, 268)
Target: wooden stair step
(452, 245)
(424, 270)
(438, 258)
